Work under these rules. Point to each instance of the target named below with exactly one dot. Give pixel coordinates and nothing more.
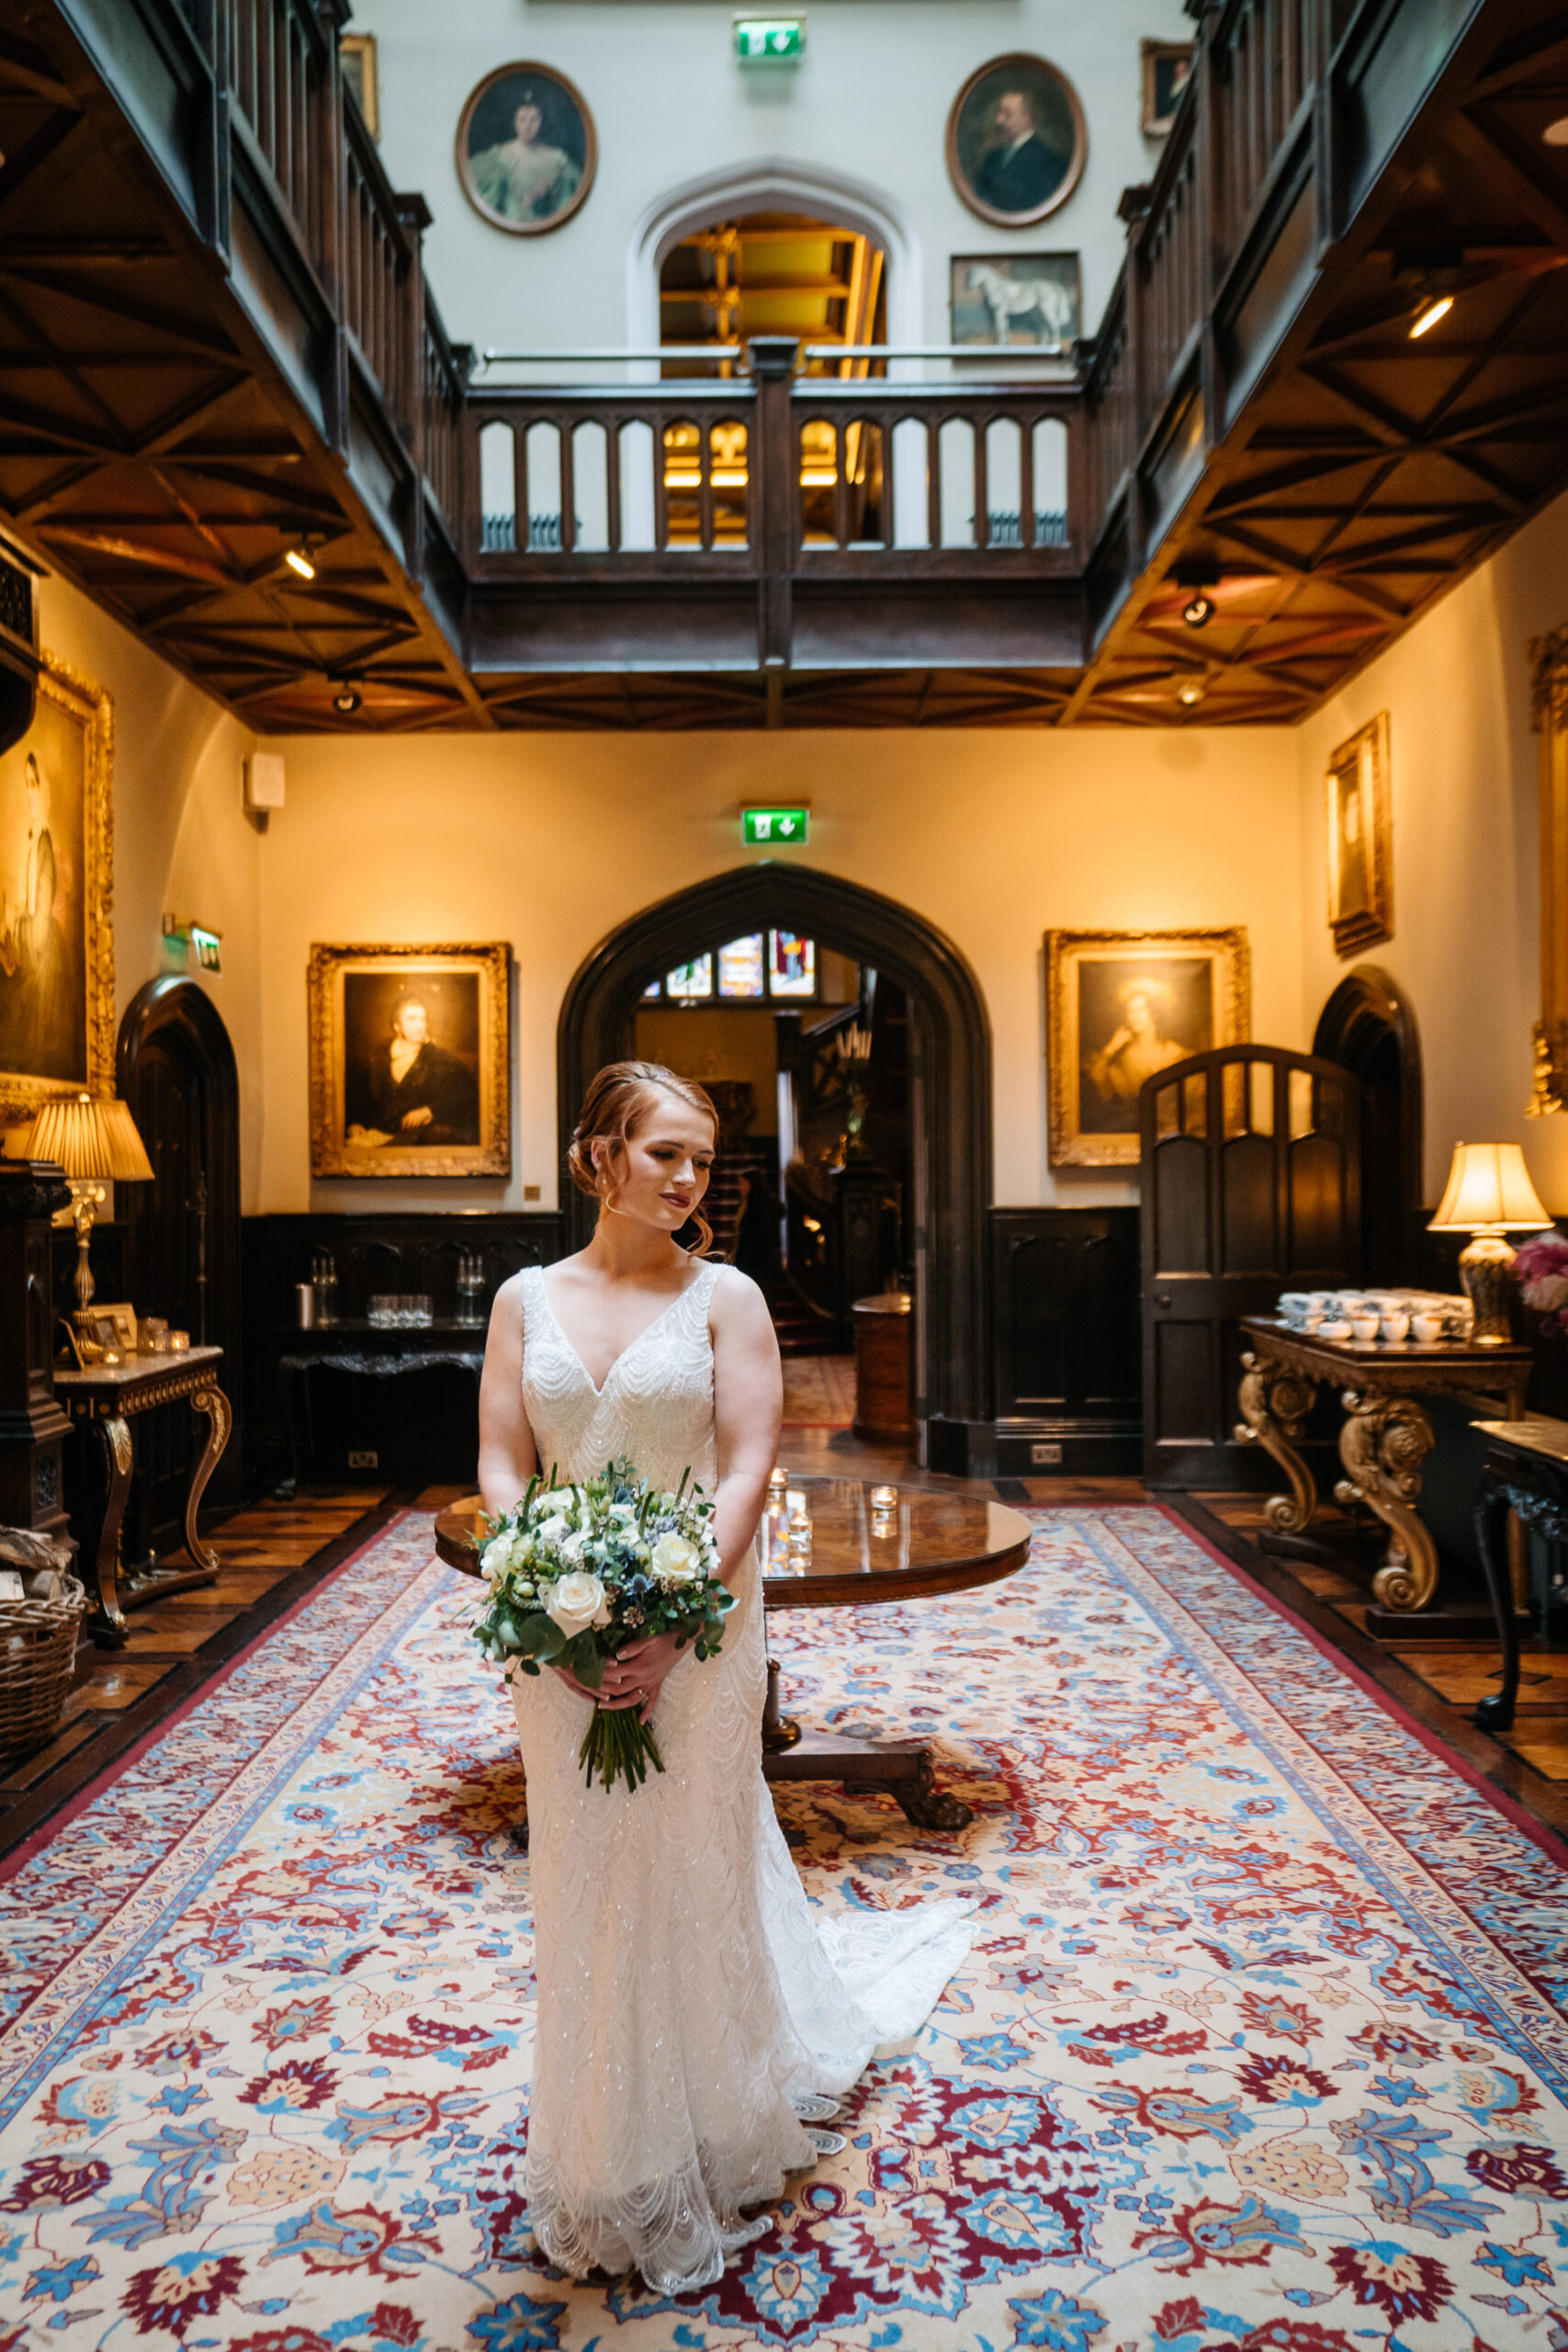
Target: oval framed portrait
(1016, 140)
(527, 149)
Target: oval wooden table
(930, 1542)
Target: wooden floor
(273, 1553)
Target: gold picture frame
(1167, 69)
(1121, 1005)
(57, 1021)
(526, 184)
(1360, 849)
(122, 1315)
(356, 52)
(410, 1061)
(1016, 140)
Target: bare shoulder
(738, 1309)
(506, 1308)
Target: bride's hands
(633, 1678)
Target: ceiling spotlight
(1193, 687)
(1433, 308)
(1199, 610)
(347, 699)
(301, 560)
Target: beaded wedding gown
(689, 1995)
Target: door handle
(1162, 1298)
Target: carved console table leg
(923, 1802)
(1382, 1445)
(214, 1405)
(105, 1619)
(1275, 1402)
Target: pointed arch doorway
(950, 1086)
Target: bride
(695, 2009)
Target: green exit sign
(770, 825)
(769, 40)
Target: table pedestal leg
(105, 1619)
(1275, 1402)
(1495, 1712)
(1382, 1445)
(779, 1731)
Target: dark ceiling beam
(1517, 189)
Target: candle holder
(884, 1499)
(778, 1480)
(799, 1538)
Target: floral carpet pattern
(1262, 2046)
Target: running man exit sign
(770, 825)
(769, 40)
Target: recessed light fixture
(1433, 308)
(1556, 132)
(300, 560)
(1199, 610)
(1193, 687)
(347, 697)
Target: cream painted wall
(1466, 856)
(182, 840)
(869, 101)
(551, 842)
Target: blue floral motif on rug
(1262, 2046)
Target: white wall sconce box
(264, 783)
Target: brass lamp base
(86, 1198)
(1487, 1270)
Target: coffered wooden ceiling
(773, 273)
(154, 450)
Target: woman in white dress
(695, 2011)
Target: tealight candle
(799, 1535)
(884, 1498)
(777, 1481)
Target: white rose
(551, 1530)
(674, 1561)
(1547, 1292)
(496, 1557)
(577, 1601)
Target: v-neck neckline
(600, 1388)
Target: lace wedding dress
(689, 1995)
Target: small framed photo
(410, 1061)
(105, 1339)
(1122, 1006)
(1167, 68)
(357, 54)
(1360, 847)
(123, 1317)
(527, 149)
(1016, 140)
(1025, 298)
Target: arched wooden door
(175, 1069)
(1251, 1170)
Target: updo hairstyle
(614, 1106)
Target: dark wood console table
(1526, 1478)
(932, 1543)
(1384, 1439)
(366, 1351)
(105, 1396)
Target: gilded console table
(105, 1396)
(1386, 1434)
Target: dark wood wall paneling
(401, 1251)
(1065, 1350)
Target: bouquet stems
(617, 1745)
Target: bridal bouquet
(574, 1573)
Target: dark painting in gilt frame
(1120, 1006)
(1360, 849)
(57, 1028)
(1167, 69)
(410, 1061)
(356, 55)
(1016, 140)
(527, 149)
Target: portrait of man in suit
(1016, 140)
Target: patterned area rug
(1262, 2044)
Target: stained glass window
(651, 989)
(740, 967)
(792, 965)
(692, 979)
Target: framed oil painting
(356, 54)
(527, 149)
(57, 1028)
(1016, 140)
(410, 1061)
(1360, 849)
(1121, 1005)
(1024, 298)
(1167, 68)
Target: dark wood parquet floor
(274, 1553)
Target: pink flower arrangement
(1541, 1266)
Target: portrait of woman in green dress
(527, 149)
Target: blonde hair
(614, 1106)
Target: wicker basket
(38, 1651)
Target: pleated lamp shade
(90, 1137)
(1489, 1185)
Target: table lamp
(1488, 1194)
(94, 1138)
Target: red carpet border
(1262, 2047)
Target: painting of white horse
(1020, 299)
